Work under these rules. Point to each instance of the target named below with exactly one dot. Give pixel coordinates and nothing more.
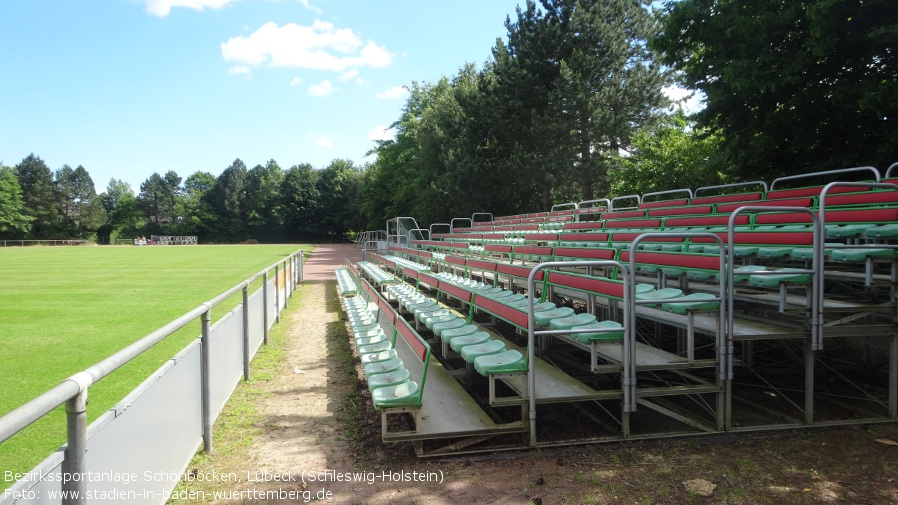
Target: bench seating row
(390, 382)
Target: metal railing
(22, 243)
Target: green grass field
(63, 309)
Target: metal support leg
(246, 333)
(205, 379)
(265, 309)
(277, 294)
(76, 450)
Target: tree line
(570, 106)
(264, 203)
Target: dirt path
(304, 434)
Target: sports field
(63, 309)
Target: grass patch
(238, 425)
(63, 309)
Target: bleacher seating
(715, 282)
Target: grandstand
(725, 309)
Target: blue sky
(131, 87)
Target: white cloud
(687, 100)
(394, 92)
(239, 70)
(325, 141)
(320, 46)
(162, 8)
(381, 132)
(296, 81)
(323, 88)
(352, 75)
(305, 3)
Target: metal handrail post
(288, 272)
(206, 378)
(75, 464)
(816, 319)
(893, 345)
(277, 293)
(265, 304)
(531, 355)
(819, 251)
(246, 333)
(629, 334)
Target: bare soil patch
(320, 436)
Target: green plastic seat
(424, 307)
(537, 307)
(785, 277)
(673, 271)
(388, 379)
(775, 252)
(882, 231)
(744, 272)
(692, 302)
(387, 366)
(565, 323)
(647, 269)
(400, 395)
(644, 288)
(467, 329)
(603, 336)
(431, 321)
(478, 337)
(860, 254)
(375, 339)
(433, 314)
(680, 247)
(543, 318)
(360, 318)
(384, 345)
(744, 251)
(807, 253)
(503, 362)
(471, 352)
(433, 310)
(659, 294)
(375, 357)
(502, 294)
(702, 275)
(846, 230)
(439, 328)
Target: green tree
(337, 187)
(591, 79)
(299, 199)
(263, 203)
(39, 195)
(198, 217)
(13, 220)
(227, 198)
(123, 213)
(151, 198)
(670, 155)
(77, 205)
(791, 86)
